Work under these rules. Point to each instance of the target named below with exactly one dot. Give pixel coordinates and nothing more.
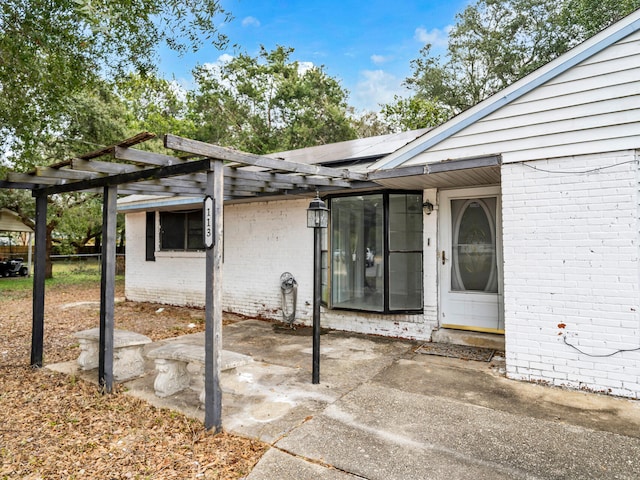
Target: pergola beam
(129, 142)
(129, 177)
(213, 151)
(276, 180)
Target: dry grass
(55, 426)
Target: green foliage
(268, 103)
(496, 42)
(493, 44)
(370, 124)
(156, 105)
(591, 16)
(50, 50)
(414, 113)
(92, 119)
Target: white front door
(470, 259)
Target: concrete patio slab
(280, 465)
(383, 433)
(382, 411)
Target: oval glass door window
(474, 266)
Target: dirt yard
(55, 426)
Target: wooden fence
(14, 251)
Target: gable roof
(594, 45)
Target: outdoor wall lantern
(317, 218)
(317, 214)
(428, 207)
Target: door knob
(444, 257)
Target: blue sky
(366, 45)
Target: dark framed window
(181, 231)
(373, 258)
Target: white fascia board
(155, 203)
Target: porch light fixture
(317, 214)
(428, 207)
(317, 218)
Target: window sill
(180, 254)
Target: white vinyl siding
(593, 107)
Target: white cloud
(221, 60)
(224, 58)
(379, 59)
(250, 22)
(304, 67)
(374, 88)
(436, 37)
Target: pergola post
(213, 225)
(107, 288)
(37, 331)
(30, 253)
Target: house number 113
(207, 222)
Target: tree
(51, 50)
(369, 124)
(588, 17)
(496, 42)
(156, 105)
(268, 103)
(98, 120)
(493, 44)
(54, 57)
(413, 113)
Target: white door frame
(451, 304)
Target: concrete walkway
(384, 412)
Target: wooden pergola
(215, 173)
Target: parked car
(13, 268)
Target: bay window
(374, 253)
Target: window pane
(405, 222)
(356, 252)
(474, 265)
(195, 240)
(172, 231)
(405, 281)
(324, 265)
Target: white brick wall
(571, 270)
(261, 241)
(174, 278)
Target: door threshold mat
(462, 352)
